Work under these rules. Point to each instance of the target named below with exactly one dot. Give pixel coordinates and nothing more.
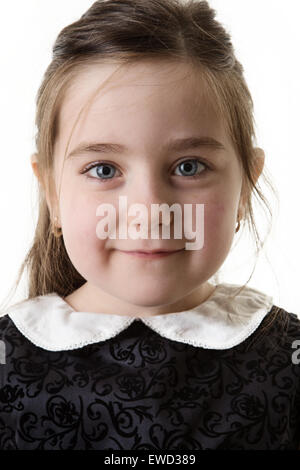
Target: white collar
(49, 322)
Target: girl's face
(143, 110)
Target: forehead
(135, 101)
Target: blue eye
(106, 171)
(190, 167)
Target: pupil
(188, 167)
(103, 170)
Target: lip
(151, 254)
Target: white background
(266, 41)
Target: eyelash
(94, 165)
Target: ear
(259, 162)
(34, 165)
(45, 185)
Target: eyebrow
(176, 145)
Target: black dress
(142, 391)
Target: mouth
(151, 254)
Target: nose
(145, 197)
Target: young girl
(117, 347)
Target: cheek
(79, 228)
(219, 228)
(218, 217)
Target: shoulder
(278, 334)
(17, 323)
(287, 328)
(280, 323)
(283, 323)
(5, 323)
(24, 311)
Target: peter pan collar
(49, 322)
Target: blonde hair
(131, 31)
